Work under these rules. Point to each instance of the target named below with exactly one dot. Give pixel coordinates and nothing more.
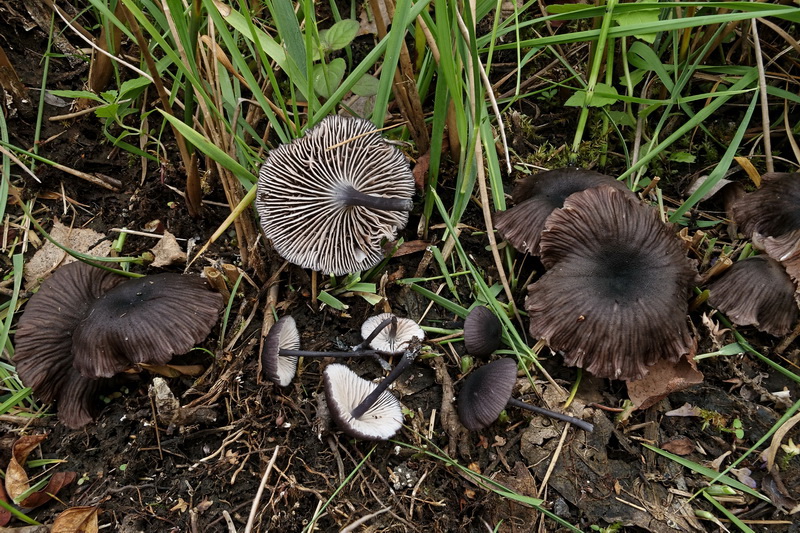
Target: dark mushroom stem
(377, 355)
(366, 403)
(351, 196)
(380, 327)
(577, 422)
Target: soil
(204, 474)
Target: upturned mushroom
(482, 332)
(328, 199)
(758, 292)
(537, 196)
(281, 351)
(614, 298)
(85, 324)
(487, 391)
(392, 338)
(345, 390)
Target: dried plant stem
(254, 509)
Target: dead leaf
(682, 446)
(50, 256)
(686, 409)
(777, 439)
(5, 516)
(58, 481)
(664, 378)
(181, 506)
(773, 486)
(168, 252)
(748, 167)
(174, 371)
(16, 477)
(76, 520)
(420, 171)
(410, 247)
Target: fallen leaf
(773, 486)
(664, 378)
(167, 252)
(76, 520)
(58, 481)
(682, 446)
(686, 409)
(181, 506)
(410, 247)
(420, 171)
(5, 515)
(16, 477)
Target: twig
(254, 508)
(229, 521)
(19, 163)
(762, 86)
(364, 519)
(553, 461)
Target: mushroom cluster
(329, 199)
(614, 297)
(360, 408)
(85, 324)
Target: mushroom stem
(366, 403)
(586, 426)
(351, 196)
(358, 352)
(380, 327)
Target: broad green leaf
(643, 16)
(328, 77)
(367, 85)
(237, 21)
(682, 157)
(603, 95)
(621, 118)
(339, 35)
(331, 301)
(77, 94)
(133, 85)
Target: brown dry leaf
(748, 167)
(50, 256)
(76, 520)
(168, 252)
(58, 481)
(773, 486)
(420, 171)
(174, 371)
(777, 439)
(5, 516)
(679, 446)
(181, 506)
(664, 378)
(411, 247)
(16, 477)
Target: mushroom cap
(486, 392)
(772, 210)
(43, 341)
(537, 196)
(757, 292)
(482, 332)
(299, 190)
(385, 341)
(615, 297)
(144, 320)
(283, 335)
(344, 390)
(786, 249)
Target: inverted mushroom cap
(485, 393)
(615, 297)
(786, 249)
(537, 196)
(391, 339)
(43, 341)
(756, 292)
(144, 320)
(771, 211)
(344, 390)
(283, 335)
(482, 332)
(329, 198)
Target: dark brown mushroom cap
(43, 340)
(757, 292)
(283, 335)
(344, 390)
(301, 191)
(144, 320)
(615, 297)
(537, 196)
(482, 332)
(77, 399)
(485, 393)
(771, 211)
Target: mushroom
(281, 350)
(482, 332)
(487, 391)
(70, 334)
(345, 390)
(329, 198)
(614, 299)
(537, 196)
(771, 218)
(392, 339)
(758, 292)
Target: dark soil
(203, 475)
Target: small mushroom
(757, 292)
(482, 332)
(537, 196)
(345, 390)
(328, 199)
(487, 391)
(281, 350)
(614, 299)
(61, 354)
(772, 210)
(393, 338)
